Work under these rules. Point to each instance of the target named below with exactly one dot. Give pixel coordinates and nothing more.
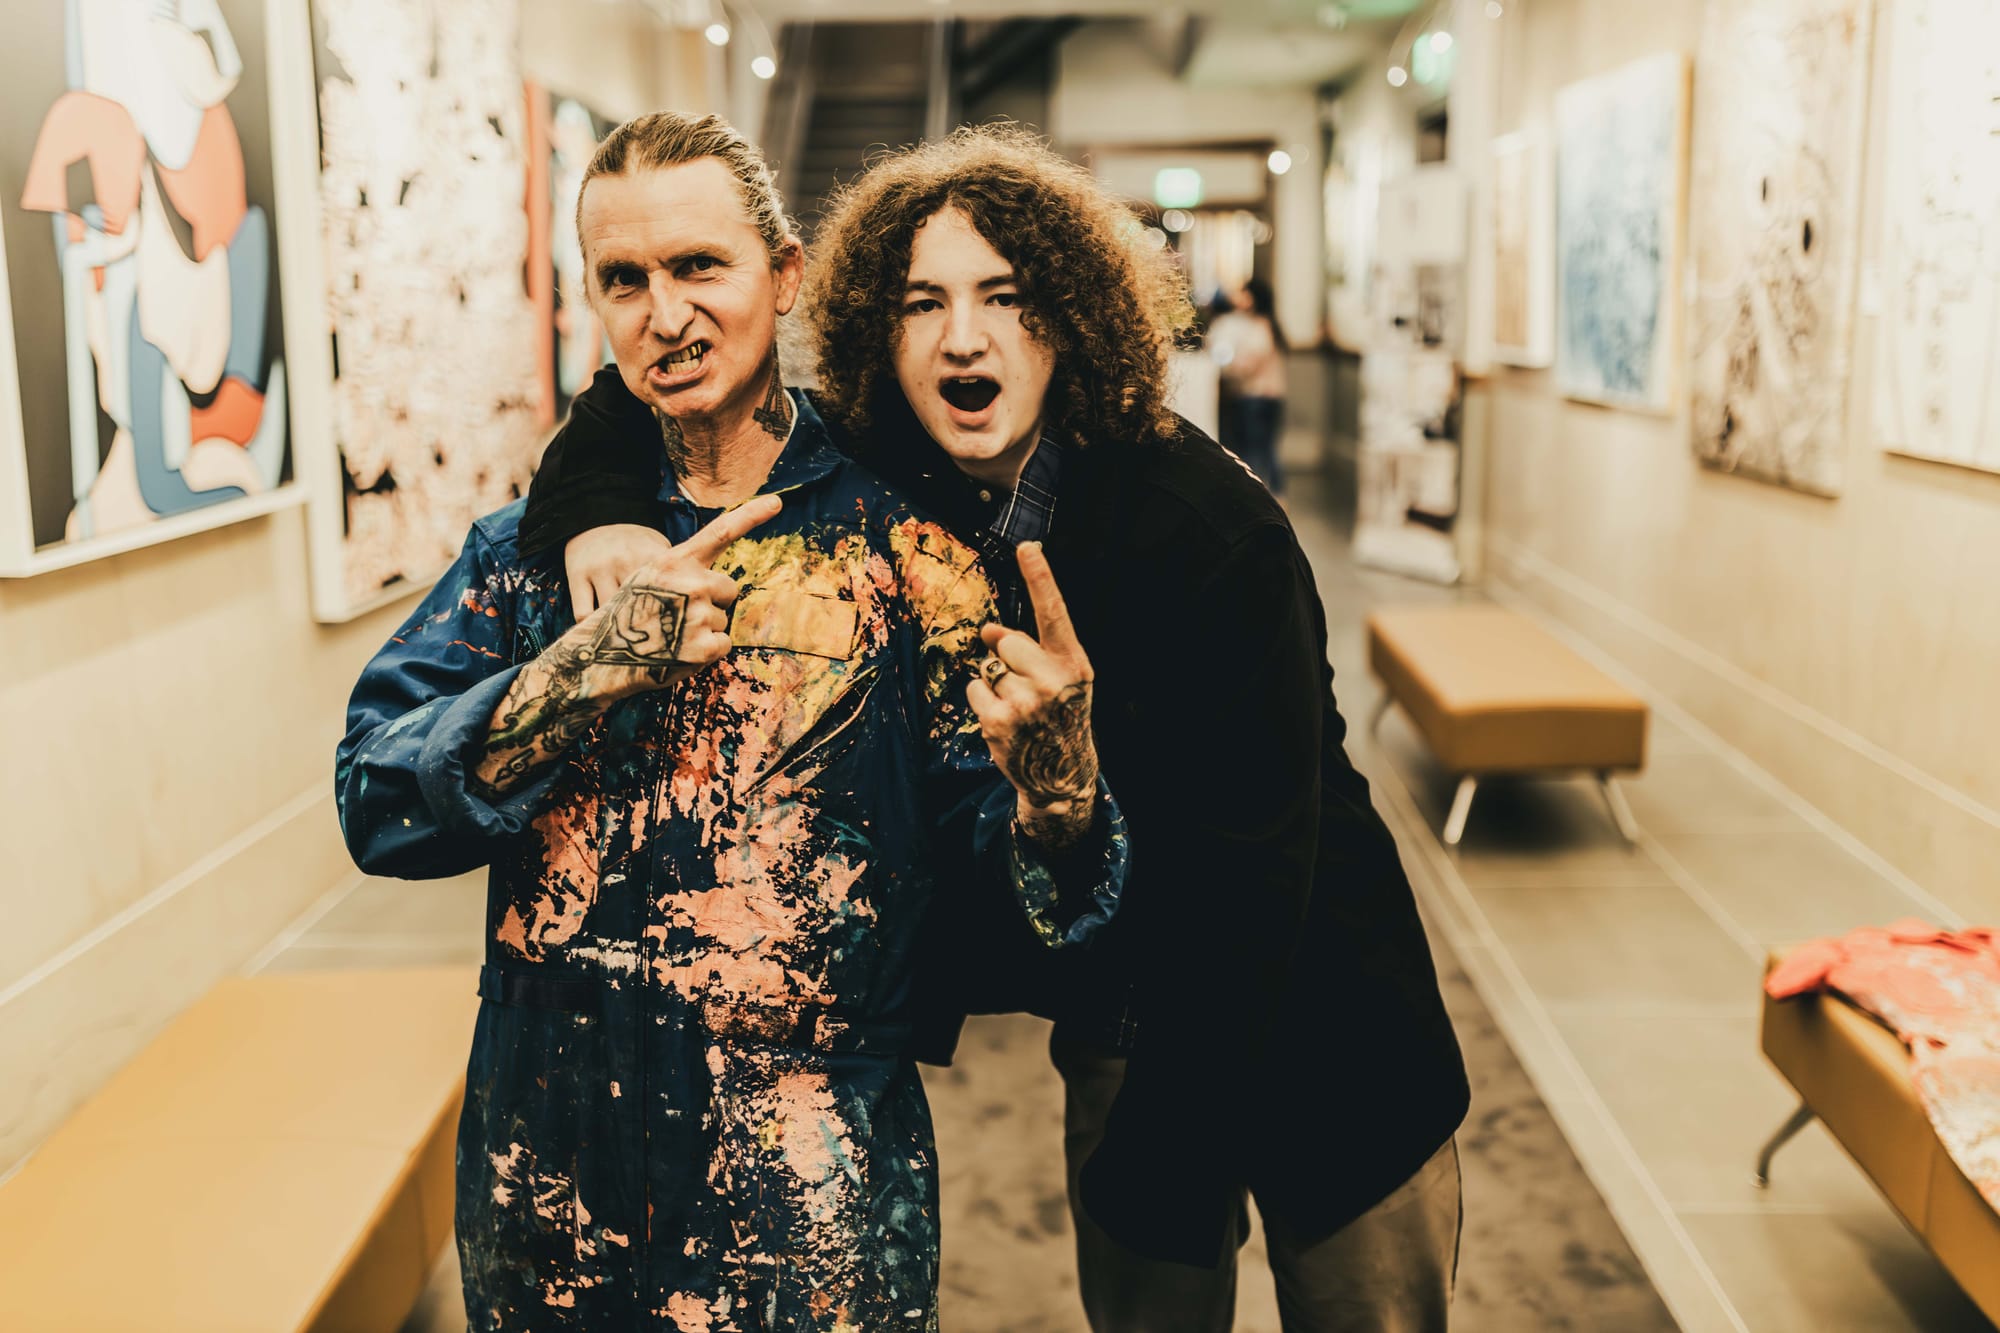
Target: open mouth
(685, 360)
(969, 393)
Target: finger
(986, 706)
(603, 588)
(705, 618)
(1021, 694)
(582, 596)
(706, 647)
(718, 589)
(993, 631)
(730, 525)
(1052, 624)
(1028, 658)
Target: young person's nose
(964, 339)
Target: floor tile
(1787, 886)
(1703, 792)
(1696, 1100)
(1621, 947)
(1831, 1273)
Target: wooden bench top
(1855, 1075)
(1491, 691)
(280, 1157)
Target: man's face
(685, 288)
(974, 375)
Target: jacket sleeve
(602, 467)
(1063, 900)
(1216, 926)
(419, 717)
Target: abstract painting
(436, 403)
(1620, 156)
(1938, 337)
(147, 345)
(1781, 89)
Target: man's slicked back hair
(670, 139)
(1101, 294)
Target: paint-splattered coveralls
(687, 1104)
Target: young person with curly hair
(1263, 1018)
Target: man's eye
(701, 264)
(1007, 300)
(624, 277)
(921, 306)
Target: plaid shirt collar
(1025, 515)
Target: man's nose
(670, 310)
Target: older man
(715, 808)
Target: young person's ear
(789, 269)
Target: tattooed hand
(667, 622)
(1033, 702)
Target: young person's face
(976, 378)
(686, 290)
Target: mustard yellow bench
(280, 1157)
(1853, 1076)
(1493, 693)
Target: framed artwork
(1780, 98)
(428, 406)
(1524, 243)
(1621, 154)
(143, 375)
(563, 134)
(1937, 365)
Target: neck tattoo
(774, 414)
(674, 440)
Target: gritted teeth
(686, 359)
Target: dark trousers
(1389, 1271)
(1252, 431)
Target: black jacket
(1291, 1034)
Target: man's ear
(789, 270)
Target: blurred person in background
(1262, 1019)
(715, 808)
(1250, 351)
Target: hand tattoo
(642, 628)
(774, 414)
(1053, 759)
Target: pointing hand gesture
(1033, 703)
(671, 618)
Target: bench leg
(1461, 806)
(1799, 1120)
(1621, 813)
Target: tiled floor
(1627, 981)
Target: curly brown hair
(1103, 300)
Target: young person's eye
(1007, 300)
(923, 305)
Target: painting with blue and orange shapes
(1620, 159)
(141, 264)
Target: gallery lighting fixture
(1398, 76)
(718, 33)
(763, 67)
(1279, 161)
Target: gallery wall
(1845, 642)
(170, 717)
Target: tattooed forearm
(552, 702)
(774, 414)
(542, 715)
